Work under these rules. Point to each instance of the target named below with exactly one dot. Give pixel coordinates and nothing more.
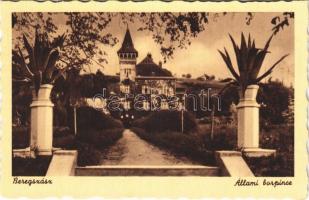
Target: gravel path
(131, 150)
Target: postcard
(154, 99)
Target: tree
(86, 31)
(274, 98)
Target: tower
(127, 55)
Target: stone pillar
(42, 122)
(248, 119)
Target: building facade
(145, 78)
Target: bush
(63, 138)
(30, 166)
(62, 131)
(20, 137)
(189, 145)
(279, 166)
(90, 118)
(91, 143)
(100, 138)
(281, 138)
(225, 137)
(87, 154)
(167, 121)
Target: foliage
(165, 120)
(67, 92)
(100, 138)
(87, 154)
(274, 98)
(21, 100)
(89, 118)
(63, 137)
(87, 31)
(43, 55)
(189, 145)
(89, 143)
(225, 137)
(280, 138)
(282, 21)
(249, 61)
(20, 137)
(30, 166)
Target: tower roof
(147, 67)
(127, 44)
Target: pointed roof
(147, 67)
(127, 44)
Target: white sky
(202, 55)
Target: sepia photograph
(207, 94)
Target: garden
(96, 132)
(196, 143)
(47, 81)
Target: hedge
(167, 121)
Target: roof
(189, 83)
(155, 77)
(147, 67)
(127, 44)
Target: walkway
(131, 150)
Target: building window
(125, 88)
(127, 72)
(145, 89)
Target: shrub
(30, 166)
(167, 121)
(63, 138)
(61, 131)
(281, 138)
(225, 137)
(65, 141)
(279, 166)
(90, 118)
(87, 154)
(100, 138)
(20, 137)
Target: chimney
(160, 64)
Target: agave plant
(249, 62)
(39, 66)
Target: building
(144, 78)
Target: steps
(139, 170)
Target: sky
(202, 55)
